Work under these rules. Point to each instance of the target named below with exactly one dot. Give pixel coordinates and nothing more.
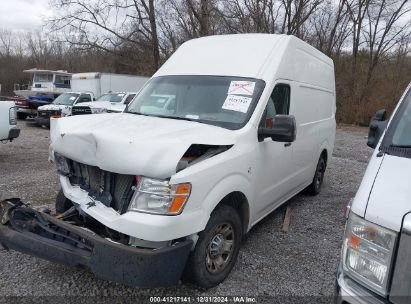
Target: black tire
(315, 187)
(62, 203)
(201, 268)
(22, 115)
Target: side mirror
(283, 129)
(377, 126)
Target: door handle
(287, 144)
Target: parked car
(159, 193)
(8, 121)
(62, 106)
(375, 262)
(114, 102)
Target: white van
(8, 121)
(375, 259)
(169, 188)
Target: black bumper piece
(42, 121)
(29, 231)
(14, 133)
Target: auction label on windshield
(241, 88)
(237, 103)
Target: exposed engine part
(112, 189)
(197, 153)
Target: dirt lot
(301, 262)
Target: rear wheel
(62, 203)
(216, 250)
(315, 187)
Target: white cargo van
(8, 121)
(167, 189)
(375, 259)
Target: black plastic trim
(107, 260)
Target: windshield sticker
(237, 103)
(72, 98)
(241, 88)
(161, 100)
(120, 95)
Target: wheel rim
(220, 248)
(319, 177)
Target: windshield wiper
(165, 116)
(175, 117)
(137, 113)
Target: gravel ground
(299, 263)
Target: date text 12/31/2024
(201, 299)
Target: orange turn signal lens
(182, 192)
(354, 241)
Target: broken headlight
(159, 196)
(367, 253)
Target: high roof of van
(260, 56)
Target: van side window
(279, 103)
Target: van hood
(389, 200)
(132, 144)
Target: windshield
(397, 137)
(66, 99)
(112, 97)
(223, 101)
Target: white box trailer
(102, 83)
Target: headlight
(159, 197)
(367, 253)
(13, 116)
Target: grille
(48, 113)
(80, 110)
(401, 282)
(112, 189)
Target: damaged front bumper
(29, 231)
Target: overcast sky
(23, 14)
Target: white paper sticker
(237, 103)
(72, 98)
(120, 95)
(161, 100)
(241, 88)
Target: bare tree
(108, 25)
(330, 26)
(384, 31)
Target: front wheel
(216, 250)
